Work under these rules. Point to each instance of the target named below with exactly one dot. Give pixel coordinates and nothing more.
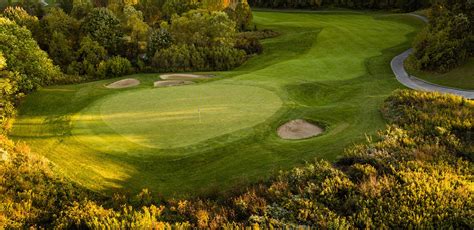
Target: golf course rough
(333, 68)
(174, 117)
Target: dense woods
(417, 173)
(88, 39)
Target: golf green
(331, 68)
(173, 117)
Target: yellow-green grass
(172, 117)
(331, 68)
(461, 77)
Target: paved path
(418, 84)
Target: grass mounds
(167, 83)
(184, 76)
(337, 73)
(298, 129)
(125, 83)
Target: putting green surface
(329, 68)
(173, 117)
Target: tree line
(100, 39)
(405, 5)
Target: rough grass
(331, 68)
(461, 77)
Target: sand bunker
(125, 83)
(183, 76)
(171, 83)
(298, 129)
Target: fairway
(329, 68)
(173, 117)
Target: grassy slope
(461, 77)
(329, 68)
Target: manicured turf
(461, 77)
(175, 116)
(330, 68)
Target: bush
(114, 67)
(183, 58)
(249, 45)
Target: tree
(172, 7)
(114, 67)
(203, 28)
(159, 39)
(215, 5)
(104, 27)
(241, 14)
(89, 56)
(66, 5)
(56, 22)
(61, 50)
(23, 55)
(137, 32)
(22, 18)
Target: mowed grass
(173, 117)
(330, 68)
(461, 77)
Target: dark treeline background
(405, 5)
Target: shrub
(114, 67)
(249, 45)
(179, 58)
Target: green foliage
(447, 41)
(202, 28)
(22, 18)
(104, 27)
(159, 39)
(249, 44)
(66, 5)
(3, 62)
(179, 58)
(89, 55)
(134, 30)
(61, 50)
(25, 57)
(406, 5)
(204, 41)
(114, 67)
(137, 32)
(172, 7)
(241, 14)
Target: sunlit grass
(332, 69)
